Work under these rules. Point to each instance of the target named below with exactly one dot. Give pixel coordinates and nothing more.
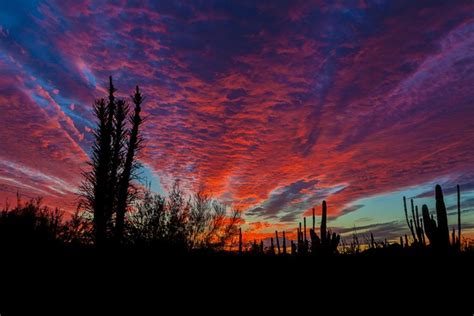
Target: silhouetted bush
(30, 224)
(199, 222)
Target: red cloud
(355, 100)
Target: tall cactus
(409, 222)
(442, 217)
(415, 224)
(304, 220)
(323, 222)
(277, 241)
(240, 240)
(272, 247)
(284, 243)
(458, 189)
(437, 233)
(302, 244)
(293, 248)
(328, 242)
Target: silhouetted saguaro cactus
(458, 189)
(301, 243)
(415, 224)
(277, 241)
(304, 220)
(437, 233)
(272, 247)
(323, 222)
(441, 217)
(284, 243)
(328, 242)
(240, 240)
(409, 222)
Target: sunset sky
(270, 105)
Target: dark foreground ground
(88, 280)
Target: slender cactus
(277, 241)
(453, 237)
(240, 240)
(284, 243)
(442, 218)
(437, 233)
(409, 223)
(323, 222)
(305, 239)
(459, 215)
(272, 246)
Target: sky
(272, 106)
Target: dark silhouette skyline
(274, 106)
